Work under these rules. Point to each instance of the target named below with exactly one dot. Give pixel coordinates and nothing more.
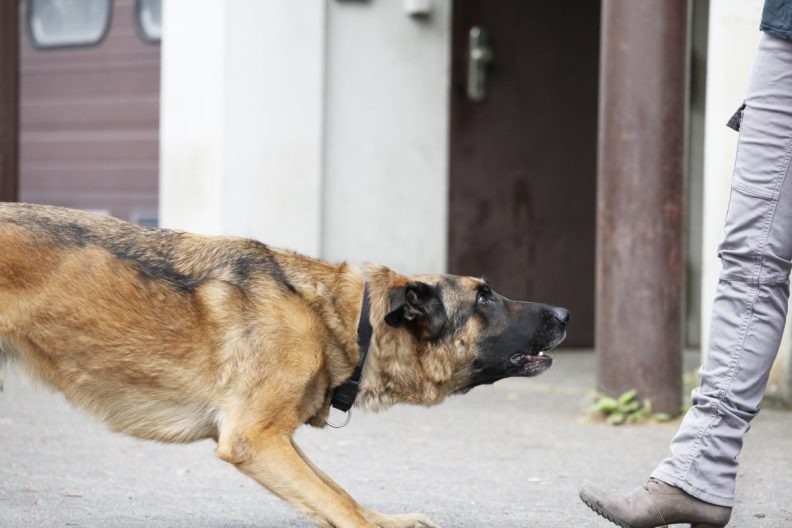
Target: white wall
(192, 116)
(241, 111)
(733, 41)
(386, 147)
(319, 126)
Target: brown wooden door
(9, 100)
(523, 161)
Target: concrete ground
(512, 455)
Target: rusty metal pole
(640, 203)
(9, 100)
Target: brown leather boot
(655, 504)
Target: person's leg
(748, 316)
(751, 302)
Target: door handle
(479, 56)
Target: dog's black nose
(562, 315)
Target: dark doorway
(9, 101)
(523, 158)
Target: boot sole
(605, 514)
(602, 512)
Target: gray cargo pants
(751, 302)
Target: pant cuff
(690, 489)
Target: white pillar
(386, 135)
(733, 41)
(242, 118)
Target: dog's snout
(561, 315)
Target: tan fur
(176, 337)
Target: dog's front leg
(408, 520)
(270, 459)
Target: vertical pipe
(640, 203)
(9, 100)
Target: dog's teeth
(541, 353)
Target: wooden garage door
(89, 120)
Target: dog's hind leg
(268, 456)
(409, 520)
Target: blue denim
(750, 305)
(777, 18)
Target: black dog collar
(344, 395)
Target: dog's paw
(407, 520)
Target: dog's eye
(484, 296)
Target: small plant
(626, 409)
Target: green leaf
(616, 418)
(631, 407)
(627, 397)
(606, 405)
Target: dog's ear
(418, 307)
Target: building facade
(427, 135)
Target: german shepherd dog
(176, 337)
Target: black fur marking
(152, 252)
(244, 266)
(276, 272)
(459, 319)
(75, 234)
(419, 307)
(156, 264)
(259, 257)
(153, 260)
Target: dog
(176, 337)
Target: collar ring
(343, 424)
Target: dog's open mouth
(531, 362)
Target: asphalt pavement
(510, 455)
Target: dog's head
(465, 334)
